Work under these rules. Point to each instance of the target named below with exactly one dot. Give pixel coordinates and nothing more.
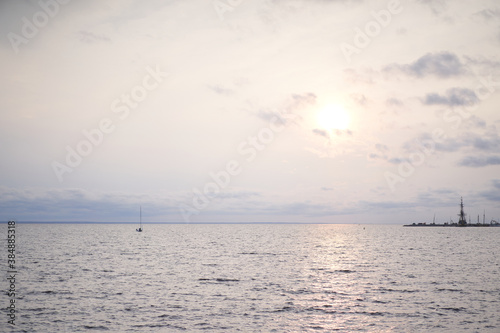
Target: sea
(253, 278)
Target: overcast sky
(242, 111)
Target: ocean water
(255, 278)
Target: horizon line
(133, 223)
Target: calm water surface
(256, 278)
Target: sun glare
(333, 117)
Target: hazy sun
(333, 117)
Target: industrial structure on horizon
(462, 221)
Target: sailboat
(140, 219)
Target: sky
(317, 111)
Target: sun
(334, 117)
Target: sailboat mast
(462, 219)
(140, 219)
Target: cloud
(234, 195)
(487, 141)
(488, 14)
(442, 65)
(382, 148)
(359, 99)
(381, 153)
(492, 194)
(386, 205)
(449, 145)
(339, 132)
(396, 160)
(394, 102)
(484, 68)
(480, 161)
(265, 208)
(367, 76)
(288, 111)
(430, 197)
(453, 97)
(437, 6)
(302, 100)
(321, 132)
(35, 204)
(373, 156)
(476, 149)
(90, 37)
(221, 90)
(476, 122)
(485, 144)
(77, 204)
